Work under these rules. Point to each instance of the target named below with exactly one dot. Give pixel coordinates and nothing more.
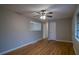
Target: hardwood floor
(45, 47)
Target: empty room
(39, 29)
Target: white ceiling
(59, 10)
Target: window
(77, 30)
(35, 26)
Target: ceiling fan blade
(38, 12)
(43, 10)
(49, 16)
(36, 16)
(50, 13)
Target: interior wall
(75, 40)
(45, 30)
(61, 30)
(15, 30)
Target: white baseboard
(74, 50)
(19, 47)
(63, 41)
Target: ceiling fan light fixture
(43, 17)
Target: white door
(52, 31)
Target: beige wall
(61, 30)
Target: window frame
(77, 26)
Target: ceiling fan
(43, 14)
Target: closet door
(52, 31)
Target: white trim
(75, 50)
(62, 41)
(74, 46)
(4, 52)
(77, 39)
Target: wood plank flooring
(45, 47)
